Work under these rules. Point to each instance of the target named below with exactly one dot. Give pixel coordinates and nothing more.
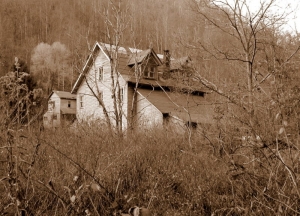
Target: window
(69, 104)
(51, 106)
(149, 72)
(81, 101)
(191, 125)
(122, 94)
(55, 116)
(100, 73)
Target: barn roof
(186, 107)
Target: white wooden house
(61, 109)
(148, 99)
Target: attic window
(81, 101)
(100, 73)
(69, 104)
(150, 72)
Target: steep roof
(179, 63)
(139, 57)
(86, 67)
(127, 57)
(64, 95)
(123, 67)
(186, 107)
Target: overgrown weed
(88, 171)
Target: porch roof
(67, 110)
(183, 106)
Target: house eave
(87, 66)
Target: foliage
(24, 24)
(153, 171)
(51, 66)
(57, 174)
(19, 99)
(256, 131)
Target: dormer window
(150, 72)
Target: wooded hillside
(176, 25)
(25, 24)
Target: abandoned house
(61, 109)
(147, 93)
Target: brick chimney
(166, 63)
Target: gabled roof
(126, 58)
(186, 107)
(105, 48)
(123, 67)
(139, 57)
(64, 95)
(89, 61)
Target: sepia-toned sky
(290, 7)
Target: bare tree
(51, 66)
(117, 19)
(115, 27)
(243, 27)
(252, 133)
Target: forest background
(54, 38)
(76, 25)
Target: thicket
(20, 98)
(221, 169)
(87, 171)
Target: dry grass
(87, 171)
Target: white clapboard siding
(54, 97)
(53, 118)
(91, 109)
(148, 116)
